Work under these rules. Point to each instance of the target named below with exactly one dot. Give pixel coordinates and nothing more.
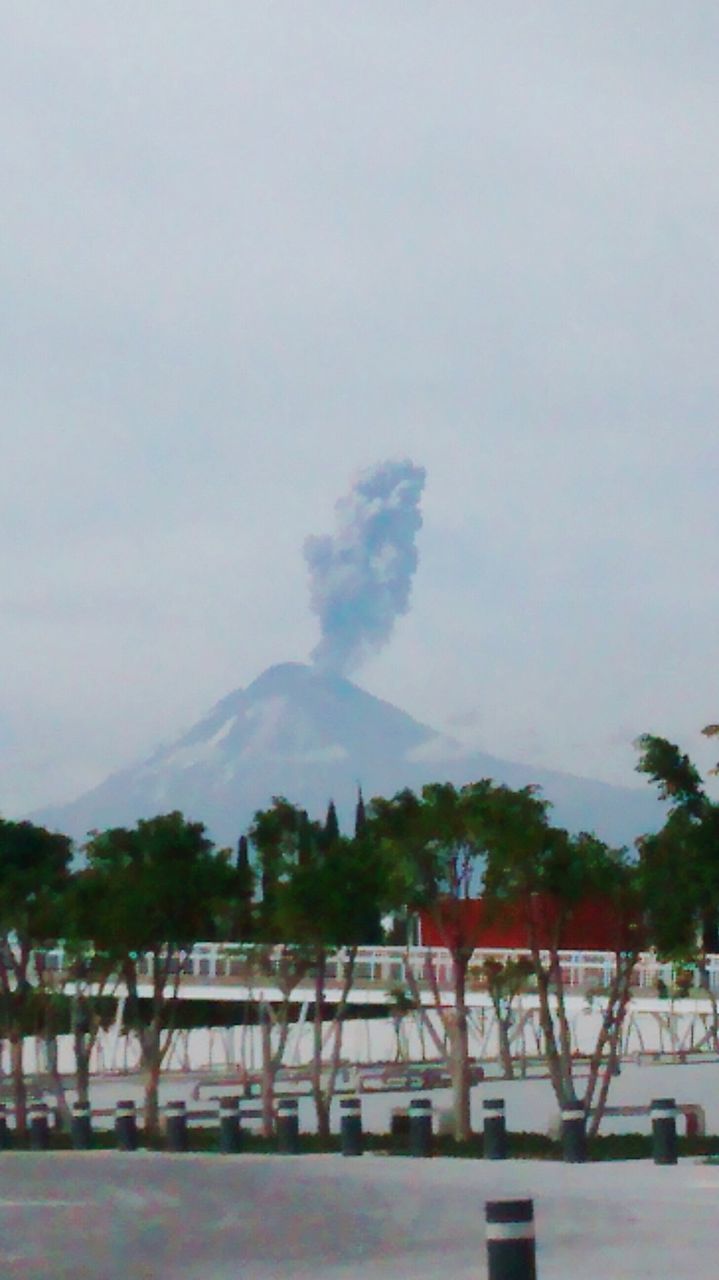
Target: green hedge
(522, 1146)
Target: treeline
(296, 890)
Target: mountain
(310, 736)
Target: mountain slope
(307, 735)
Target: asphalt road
(106, 1216)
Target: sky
(249, 250)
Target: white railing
(225, 963)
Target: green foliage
(680, 864)
(332, 827)
(678, 779)
(34, 871)
(275, 835)
(320, 889)
(505, 979)
(242, 917)
(360, 815)
(440, 846)
(159, 884)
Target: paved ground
(104, 1216)
(530, 1103)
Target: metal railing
(392, 966)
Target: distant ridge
(308, 735)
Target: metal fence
(392, 967)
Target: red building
(594, 925)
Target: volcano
(308, 735)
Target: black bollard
(664, 1130)
(574, 1134)
(495, 1129)
(351, 1126)
(39, 1130)
(230, 1132)
(510, 1240)
(81, 1126)
(288, 1127)
(126, 1125)
(5, 1134)
(420, 1127)
(176, 1126)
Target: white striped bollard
(420, 1127)
(81, 1126)
(176, 1125)
(288, 1127)
(511, 1253)
(5, 1135)
(574, 1134)
(230, 1132)
(495, 1129)
(39, 1130)
(664, 1130)
(251, 1117)
(126, 1125)
(351, 1126)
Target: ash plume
(360, 577)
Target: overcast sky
(247, 249)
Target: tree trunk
(152, 1064)
(18, 1081)
(605, 1033)
(81, 1050)
(414, 991)
(268, 1074)
(82, 1067)
(609, 1071)
(550, 1042)
(397, 1024)
(611, 1031)
(58, 1087)
(505, 1047)
(321, 1106)
(459, 1040)
(338, 1020)
(565, 1035)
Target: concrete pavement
(105, 1216)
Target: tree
(682, 860)
(546, 874)
(435, 845)
(88, 971)
(447, 843)
(327, 905)
(400, 1003)
(34, 872)
(505, 980)
(360, 815)
(159, 888)
(244, 923)
(282, 840)
(332, 826)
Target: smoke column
(360, 578)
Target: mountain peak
(309, 734)
(282, 676)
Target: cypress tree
(245, 878)
(243, 854)
(360, 815)
(332, 826)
